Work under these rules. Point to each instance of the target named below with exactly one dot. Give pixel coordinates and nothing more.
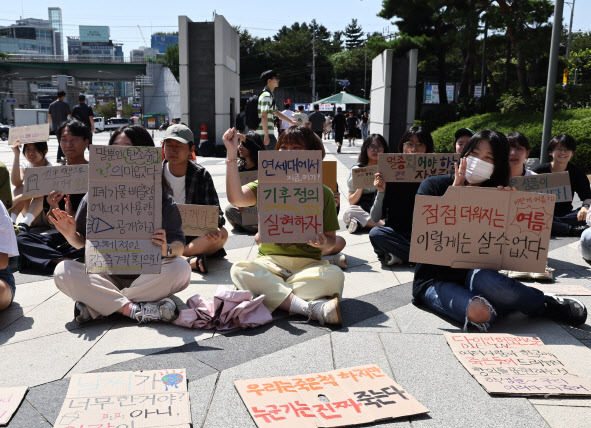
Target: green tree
(171, 59)
(353, 35)
(107, 110)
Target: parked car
(4, 132)
(99, 124)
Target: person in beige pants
(142, 297)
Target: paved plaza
(41, 346)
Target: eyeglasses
(415, 146)
(562, 150)
(376, 148)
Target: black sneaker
(567, 311)
(577, 230)
(23, 227)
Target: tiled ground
(41, 346)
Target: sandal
(198, 258)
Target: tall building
(162, 41)
(55, 17)
(29, 36)
(94, 43)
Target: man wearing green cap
(192, 184)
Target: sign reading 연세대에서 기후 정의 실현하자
(124, 210)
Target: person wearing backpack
(266, 109)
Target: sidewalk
(41, 346)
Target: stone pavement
(41, 346)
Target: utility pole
(551, 83)
(570, 28)
(483, 72)
(365, 72)
(313, 63)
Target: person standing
(300, 117)
(352, 126)
(338, 124)
(364, 125)
(317, 121)
(267, 109)
(289, 113)
(83, 112)
(59, 111)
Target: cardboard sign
(10, 399)
(142, 399)
(199, 220)
(28, 134)
(415, 167)
(515, 365)
(351, 396)
(329, 175)
(482, 228)
(124, 208)
(290, 196)
(556, 183)
(68, 179)
(250, 215)
(364, 177)
(562, 289)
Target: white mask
(477, 170)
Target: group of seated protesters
(303, 278)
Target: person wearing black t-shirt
(352, 126)
(567, 221)
(338, 124)
(83, 112)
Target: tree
(107, 110)
(171, 59)
(353, 35)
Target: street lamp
(570, 26)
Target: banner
(140, 399)
(199, 220)
(28, 134)
(515, 365)
(350, 396)
(556, 183)
(482, 228)
(124, 210)
(290, 196)
(415, 167)
(364, 177)
(67, 179)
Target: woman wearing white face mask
(478, 296)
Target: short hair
(350, 111)
(316, 106)
(76, 128)
(301, 107)
(138, 135)
(302, 135)
(41, 147)
(286, 106)
(61, 94)
(518, 139)
(81, 97)
(339, 109)
(463, 132)
(500, 146)
(422, 135)
(562, 140)
(363, 159)
(266, 75)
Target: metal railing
(73, 58)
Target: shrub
(565, 97)
(574, 122)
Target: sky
(261, 18)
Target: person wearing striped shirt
(267, 109)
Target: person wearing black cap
(462, 136)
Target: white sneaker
(349, 144)
(339, 260)
(391, 260)
(164, 310)
(325, 311)
(353, 226)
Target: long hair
(301, 135)
(254, 143)
(422, 135)
(363, 158)
(138, 135)
(500, 146)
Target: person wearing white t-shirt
(300, 117)
(8, 248)
(289, 113)
(31, 208)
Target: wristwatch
(168, 250)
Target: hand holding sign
(379, 183)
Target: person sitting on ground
(248, 160)
(192, 184)
(462, 136)
(143, 297)
(42, 253)
(479, 296)
(518, 154)
(5, 192)
(30, 208)
(395, 203)
(567, 221)
(356, 215)
(8, 248)
(295, 279)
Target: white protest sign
(10, 399)
(28, 134)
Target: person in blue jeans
(479, 296)
(395, 203)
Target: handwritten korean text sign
(28, 134)
(415, 167)
(68, 179)
(556, 183)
